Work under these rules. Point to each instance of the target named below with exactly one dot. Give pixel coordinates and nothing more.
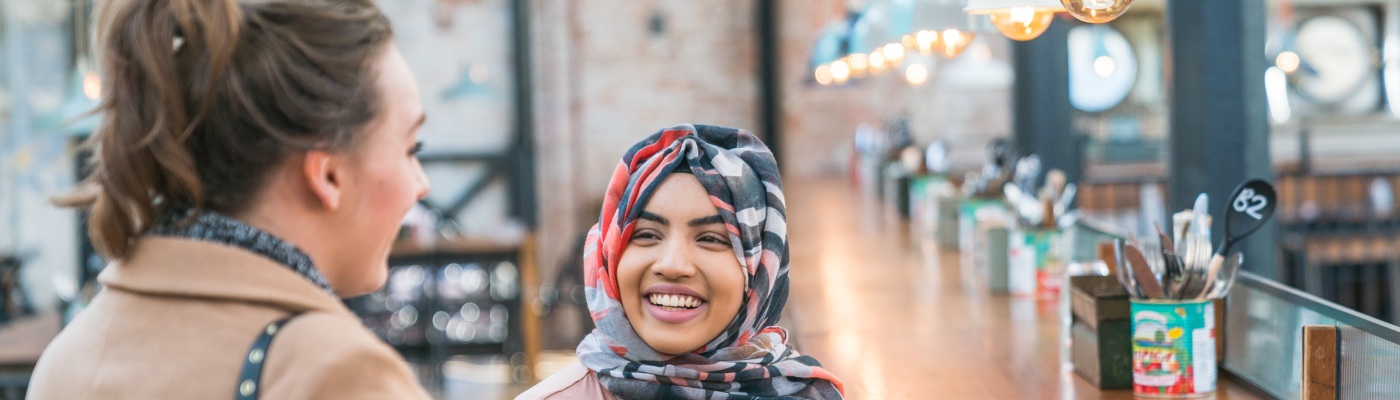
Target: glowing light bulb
(909, 41)
(478, 74)
(92, 86)
(877, 62)
(860, 64)
(955, 41)
(824, 75)
(1104, 66)
(927, 41)
(1096, 11)
(916, 74)
(840, 71)
(1022, 23)
(894, 54)
(1288, 62)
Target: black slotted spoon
(1250, 206)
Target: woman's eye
(417, 148)
(645, 235)
(714, 239)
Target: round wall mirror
(1102, 67)
(1335, 59)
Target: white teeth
(674, 300)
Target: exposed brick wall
(605, 79)
(628, 81)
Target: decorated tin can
(1173, 348)
(1037, 262)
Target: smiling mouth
(675, 302)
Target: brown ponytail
(203, 98)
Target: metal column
(522, 168)
(1043, 123)
(770, 90)
(1219, 117)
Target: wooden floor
(894, 323)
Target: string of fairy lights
(943, 27)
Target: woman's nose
(676, 260)
(423, 185)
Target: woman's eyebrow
(702, 221)
(421, 120)
(654, 218)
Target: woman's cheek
(728, 284)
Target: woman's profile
(686, 273)
(253, 164)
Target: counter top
(895, 318)
(22, 340)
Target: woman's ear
(323, 178)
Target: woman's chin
(671, 347)
(671, 339)
(370, 279)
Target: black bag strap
(250, 380)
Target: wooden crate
(1100, 337)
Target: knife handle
(1213, 269)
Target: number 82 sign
(1250, 202)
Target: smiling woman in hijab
(686, 274)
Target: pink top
(574, 382)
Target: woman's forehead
(680, 197)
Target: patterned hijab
(751, 358)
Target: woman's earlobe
(320, 172)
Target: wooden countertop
(22, 340)
(896, 324)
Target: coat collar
(165, 266)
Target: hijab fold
(751, 358)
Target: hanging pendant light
(829, 48)
(870, 35)
(954, 41)
(878, 63)
(894, 54)
(1096, 11)
(823, 75)
(939, 26)
(840, 71)
(1018, 19)
(859, 63)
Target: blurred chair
(14, 301)
(563, 308)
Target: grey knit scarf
(210, 226)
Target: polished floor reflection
(894, 318)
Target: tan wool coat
(573, 383)
(176, 320)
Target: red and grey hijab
(751, 358)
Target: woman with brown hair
(253, 164)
